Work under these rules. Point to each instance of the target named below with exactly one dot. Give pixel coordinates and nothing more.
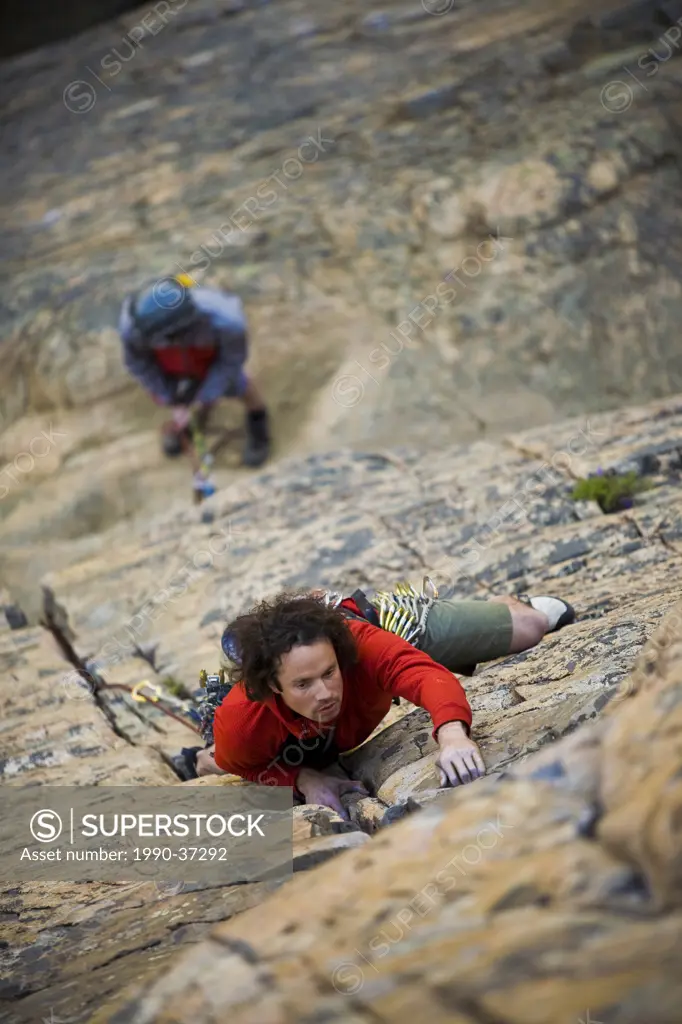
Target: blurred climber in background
(187, 347)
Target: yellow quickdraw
(404, 611)
(157, 691)
(203, 677)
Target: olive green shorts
(459, 634)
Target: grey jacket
(223, 328)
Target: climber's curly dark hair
(270, 630)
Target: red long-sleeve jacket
(250, 735)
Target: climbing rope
(158, 698)
(202, 484)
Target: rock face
(449, 219)
(445, 224)
(547, 892)
(448, 222)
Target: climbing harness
(402, 611)
(217, 689)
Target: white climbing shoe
(559, 613)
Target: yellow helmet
(185, 280)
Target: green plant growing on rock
(612, 491)
(176, 687)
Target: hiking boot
(172, 439)
(257, 447)
(185, 763)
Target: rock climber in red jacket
(450, 636)
(314, 683)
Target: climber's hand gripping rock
(459, 760)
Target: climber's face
(311, 682)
